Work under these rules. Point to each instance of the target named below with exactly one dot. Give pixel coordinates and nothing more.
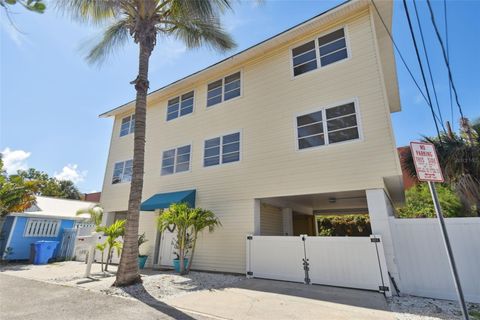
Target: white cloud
(169, 50)
(14, 160)
(71, 172)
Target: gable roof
(343, 9)
(48, 207)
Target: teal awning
(164, 200)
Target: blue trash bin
(44, 251)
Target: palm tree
(202, 219)
(113, 231)
(178, 217)
(95, 212)
(194, 22)
(459, 157)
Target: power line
(421, 67)
(428, 64)
(450, 77)
(398, 51)
(448, 57)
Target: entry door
(166, 248)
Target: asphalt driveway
(27, 299)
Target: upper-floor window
(224, 89)
(176, 160)
(122, 172)
(323, 51)
(128, 125)
(327, 126)
(180, 106)
(222, 149)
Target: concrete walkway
(27, 299)
(267, 299)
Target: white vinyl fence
(422, 261)
(354, 262)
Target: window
(331, 48)
(122, 172)
(180, 106)
(176, 160)
(42, 228)
(222, 150)
(224, 89)
(128, 125)
(327, 126)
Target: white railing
(42, 227)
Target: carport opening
(324, 214)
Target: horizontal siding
(271, 220)
(270, 164)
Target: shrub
(354, 225)
(420, 204)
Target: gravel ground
(417, 308)
(167, 284)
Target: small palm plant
(189, 223)
(178, 216)
(95, 212)
(113, 231)
(101, 247)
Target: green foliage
(37, 6)
(353, 225)
(50, 186)
(95, 212)
(141, 240)
(16, 193)
(420, 203)
(113, 232)
(459, 157)
(188, 222)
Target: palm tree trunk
(109, 257)
(193, 252)
(127, 273)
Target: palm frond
(90, 11)
(115, 36)
(198, 32)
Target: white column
(256, 217)
(287, 221)
(108, 218)
(380, 209)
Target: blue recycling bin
(44, 251)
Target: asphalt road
(25, 299)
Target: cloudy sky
(50, 97)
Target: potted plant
(142, 258)
(187, 246)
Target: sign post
(428, 169)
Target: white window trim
(129, 127)
(328, 145)
(113, 171)
(175, 160)
(317, 52)
(221, 164)
(179, 116)
(56, 222)
(207, 107)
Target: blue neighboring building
(46, 220)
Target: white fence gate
(422, 261)
(353, 262)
